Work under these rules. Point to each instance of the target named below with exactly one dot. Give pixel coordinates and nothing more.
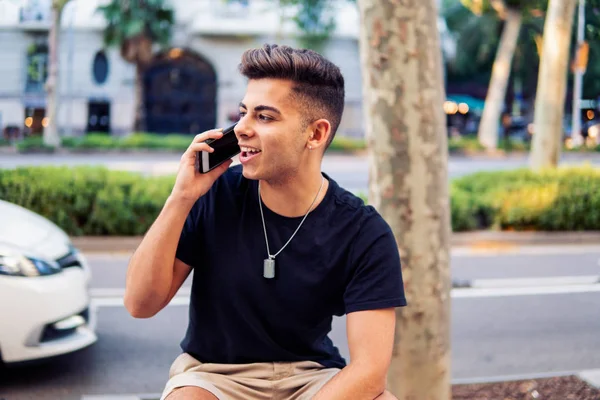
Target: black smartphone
(225, 147)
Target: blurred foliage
(314, 19)
(179, 143)
(98, 201)
(477, 26)
(88, 200)
(129, 19)
(466, 144)
(562, 199)
(146, 141)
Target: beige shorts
(257, 381)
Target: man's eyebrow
(262, 108)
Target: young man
(278, 249)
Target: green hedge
(562, 199)
(148, 141)
(177, 142)
(88, 200)
(97, 201)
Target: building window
(98, 116)
(100, 68)
(37, 67)
(35, 11)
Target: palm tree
(478, 36)
(403, 97)
(552, 84)
(51, 136)
(135, 26)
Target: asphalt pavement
(496, 331)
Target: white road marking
(535, 282)
(114, 297)
(461, 293)
(457, 251)
(591, 376)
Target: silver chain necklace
(269, 263)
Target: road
(351, 172)
(495, 331)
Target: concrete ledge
(473, 240)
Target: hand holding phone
(189, 184)
(225, 148)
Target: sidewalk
(479, 240)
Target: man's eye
(264, 117)
(242, 114)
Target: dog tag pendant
(269, 268)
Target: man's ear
(320, 131)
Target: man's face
(271, 132)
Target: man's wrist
(180, 201)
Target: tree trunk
(406, 132)
(51, 136)
(494, 101)
(552, 85)
(139, 122)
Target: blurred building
(190, 87)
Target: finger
(215, 173)
(191, 151)
(194, 147)
(212, 134)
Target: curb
(479, 240)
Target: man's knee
(386, 396)
(191, 393)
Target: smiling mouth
(248, 153)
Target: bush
(150, 141)
(33, 143)
(468, 144)
(563, 199)
(341, 143)
(88, 200)
(97, 201)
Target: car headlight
(18, 265)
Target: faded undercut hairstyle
(318, 83)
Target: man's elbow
(375, 379)
(138, 308)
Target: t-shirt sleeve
(190, 244)
(376, 281)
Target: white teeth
(249, 149)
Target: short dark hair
(318, 83)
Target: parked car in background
(44, 301)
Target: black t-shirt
(343, 259)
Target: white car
(44, 301)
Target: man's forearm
(353, 382)
(150, 270)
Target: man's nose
(243, 128)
